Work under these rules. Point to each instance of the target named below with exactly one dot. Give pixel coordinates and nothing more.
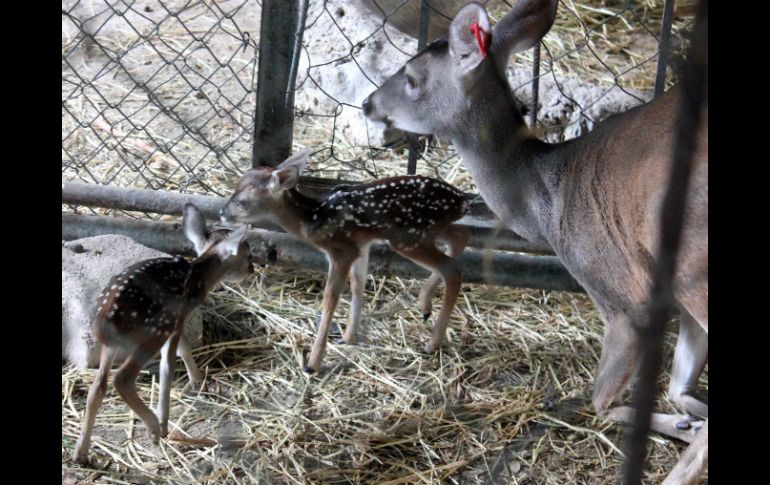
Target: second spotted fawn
(144, 309)
(411, 213)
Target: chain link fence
(161, 95)
(157, 95)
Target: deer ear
(194, 227)
(469, 40)
(286, 175)
(522, 28)
(283, 179)
(229, 245)
(298, 160)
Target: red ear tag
(482, 38)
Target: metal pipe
(485, 233)
(422, 39)
(280, 249)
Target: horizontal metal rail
(486, 230)
(281, 249)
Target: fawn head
(230, 248)
(258, 194)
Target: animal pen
(165, 103)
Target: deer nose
(367, 105)
(224, 214)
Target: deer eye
(243, 203)
(411, 82)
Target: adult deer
(595, 199)
(411, 213)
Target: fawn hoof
(309, 370)
(683, 425)
(81, 458)
(428, 348)
(425, 317)
(196, 386)
(688, 429)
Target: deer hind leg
(167, 364)
(125, 384)
(184, 351)
(690, 358)
(456, 238)
(429, 257)
(95, 396)
(693, 461)
(358, 273)
(339, 265)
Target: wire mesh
(161, 95)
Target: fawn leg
(429, 257)
(339, 265)
(95, 396)
(125, 383)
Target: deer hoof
(80, 458)
(683, 425)
(428, 348)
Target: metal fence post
(422, 39)
(281, 29)
(664, 46)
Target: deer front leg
(358, 273)
(338, 268)
(619, 361)
(673, 425)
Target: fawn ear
(229, 245)
(194, 227)
(286, 175)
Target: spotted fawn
(145, 308)
(411, 213)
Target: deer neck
(205, 274)
(518, 175)
(296, 211)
